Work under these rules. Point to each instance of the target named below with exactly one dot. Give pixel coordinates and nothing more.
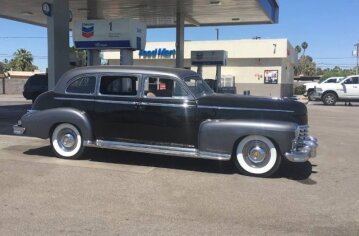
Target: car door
(167, 112)
(116, 106)
(351, 87)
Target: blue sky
(331, 28)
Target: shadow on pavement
(300, 172)
(293, 171)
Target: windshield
(198, 86)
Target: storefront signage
(214, 57)
(158, 53)
(271, 76)
(110, 34)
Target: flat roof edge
(271, 9)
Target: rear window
(83, 85)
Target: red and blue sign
(88, 30)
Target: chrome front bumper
(303, 154)
(18, 130)
(318, 95)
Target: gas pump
(217, 58)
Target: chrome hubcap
(257, 154)
(67, 140)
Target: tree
(4, 66)
(336, 72)
(80, 55)
(305, 66)
(304, 46)
(22, 61)
(298, 49)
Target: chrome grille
(303, 134)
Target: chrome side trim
(242, 109)
(74, 99)
(115, 102)
(185, 105)
(157, 149)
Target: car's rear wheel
(257, 156)
(66, 141)
(329, 99)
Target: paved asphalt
(122, 193)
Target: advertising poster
(271, 76)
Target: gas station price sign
(110, 34)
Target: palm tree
(23, 59)
(298, 49)
(304, 46)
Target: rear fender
(40, 123)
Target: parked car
(171, 112)
(345, 90)
(35, 85)
(310, 87)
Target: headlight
(318, 89)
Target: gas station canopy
(55, 15)
(155, 13)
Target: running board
(157, 149)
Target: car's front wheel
(66, 141)
(257, 155)
(311, 95)
(329, 99)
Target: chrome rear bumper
(303, 154)
(18, 130)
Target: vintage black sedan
(171, 112)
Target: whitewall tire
(66, 141)
(256, 155)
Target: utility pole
(357, 54)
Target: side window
(83, 85)
(119, 85)
(163, 87)
(352, 80)
(331, 81)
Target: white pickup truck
(345, 90)
(310, 87)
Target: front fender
(220, 136)
(39, 123)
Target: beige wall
(246, 60)
(12, 86)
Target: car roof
(151, 70)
